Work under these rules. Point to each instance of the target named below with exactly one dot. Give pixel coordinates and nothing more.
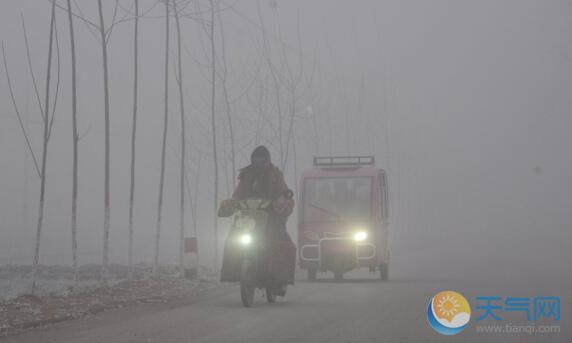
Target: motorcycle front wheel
(247, 286)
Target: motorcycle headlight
(360, 236)
(245, 239)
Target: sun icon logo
(448, 306)
(448, 312)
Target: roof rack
(343, 161)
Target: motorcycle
(251, 234)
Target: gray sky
(466, 103)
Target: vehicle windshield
(337, 198)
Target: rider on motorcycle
(262, 179)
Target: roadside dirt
(28, 311)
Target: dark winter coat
(268, 184)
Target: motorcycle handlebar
(227, 212)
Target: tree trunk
(193, 200)
(213, 123)
(106, 200)
(227, 101)
(163, 152)
(45, 140)
(295, 157)
(291, 126)
(275, 80)
(133, 137)
(183, 144)
(75, 139)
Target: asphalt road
(360, 309)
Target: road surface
(360, 309)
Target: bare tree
(276, 81)
(46, 137)
(193, 198)
(213, 124)
(163, 149)
(20, 121)
(102, 34)
(293, 80)
(133, 136)
(183, 144)
(224, 78)
(47, 114)
(106, 201)
(75, 140)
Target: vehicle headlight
(245, 239)
(360, 236)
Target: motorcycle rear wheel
(270, 296)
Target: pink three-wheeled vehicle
(343, 218)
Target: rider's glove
(283, 206)
(227, 207)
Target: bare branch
(34, 83)
(92, 27)
(56, 95)
(113, 22)
(84, 133)
(79, 16)
(24, 132)
(127, 18)
(47, 118)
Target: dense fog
(466, 104)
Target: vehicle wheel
(384, 271)
(312, 272)
(247, 286)
(338, 276)
(270, 296)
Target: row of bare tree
(286, 79)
